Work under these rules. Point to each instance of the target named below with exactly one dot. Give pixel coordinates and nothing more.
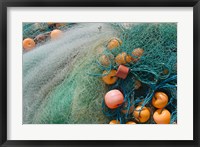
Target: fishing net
(62, 79)
(56, 86)
(156, 69)
(40, 32)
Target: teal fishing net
(62, 79)
(56, 86)
(40, 32)
(156, 69)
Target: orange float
(28, 44)
(159, 100)
(137, 53)
(60, 24)
(110, 78)
(113, 99)
(100, 49)
(113, 43)
(122, 71)
(55, 34)
(141, 115)
(130, 122)
(162, 116)
(104, 60)
(112, 122)
(165, 71)
(50, 23)
(123, 58)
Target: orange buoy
(141, 115)
(50, 23)
(113, 43)
(104, 60)
(112, 122)
(162, 116)
(113, 99)
(100, 49)
(159, 100)
(137, 53)
(123, 58)
(28, 44)
(165, 71)
(60, 24)
(110, 78)
(55, 34)
(130, 122)
(122, 71)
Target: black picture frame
(4, 4)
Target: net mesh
(56, 86)
(62, 79)
(156, 69)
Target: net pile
(56, 86)
(40, 32)
(62, 78)
(156, 69)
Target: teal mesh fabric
(62, 79)
(156, 69)
(56, 86)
